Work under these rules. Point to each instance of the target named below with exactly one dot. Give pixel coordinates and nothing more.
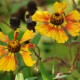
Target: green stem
(12, 77)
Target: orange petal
(73, 16)
(16, 33)
(2, 50)
(73, 28)
(27, 35)
(27, 58)
(8, 63)
(43, 16)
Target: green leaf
(44, 73)
(31, 78)
(36, 39)
(19, 76)
(60, 77)
(78, 66)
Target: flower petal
(27, 35)
(45, 29)
(59, 35)
(73, 16)
(4, 38)
(8, 63)
(16, 32)
(73, 28)
(43, 16)
(25, 48)
(2, 50)
(59, 7)
(51, 31)
(27, 58)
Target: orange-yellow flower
(8, 61)
(58, 25)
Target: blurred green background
(48, 47)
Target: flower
(58, 25)
(8, 60)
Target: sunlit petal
(43, 16)
(59, 7)
(27, 35)
(8, 63)
(27, 58)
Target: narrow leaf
(44, 73)
(31, 78)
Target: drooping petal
(59, 7)
(73, 28)
(59, 35)
(27, 35)
(2, 50)
(73, 16)
(8, 63)
(43, 16)
(27, 58)
(4, 38)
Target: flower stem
(12, 77)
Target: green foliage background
(48, 47)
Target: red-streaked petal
(2, 50)
(16, 33)
(73, 28)
(59, 35)
(73, 16)
(54, 32)
(8, 63)
(46, 29)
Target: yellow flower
(58, 25)
(8, 61)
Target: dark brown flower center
(14, 46)
(57, 19)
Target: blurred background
(48, 47)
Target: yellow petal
(45, 30)
(59, 35)
(8, 63)
(59, 7)
(25, 48)
(73, 16)
(4, 38)
(73, 28)
(27, 35)
(43, 16)
(27, 58)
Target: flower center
(57, 19)
(14, 46)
